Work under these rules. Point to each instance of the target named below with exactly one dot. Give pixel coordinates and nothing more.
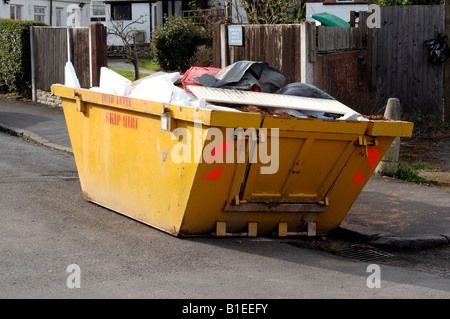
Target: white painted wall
(340, 10)
(59, 11)
(137, 10)
(152, 19)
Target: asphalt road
(47, 226)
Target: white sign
(235, 36)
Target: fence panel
(278, 45)
(52, 47)
(49, 52)
(81, 53)
(330, 39)
(99, 51)
(403, 69)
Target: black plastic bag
(306, 90)
(438, 49)
(243, 75)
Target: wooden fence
(290, 48)
(278, 45)
(333, 39)
(390, 61)
(52, 47)
(48, 51)
(403, 70)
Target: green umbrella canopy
(330, 20)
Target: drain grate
(364, 253)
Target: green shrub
(176, 42)
(203, 56)
(15, 59)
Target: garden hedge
(15, 59)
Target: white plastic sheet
(70, 76)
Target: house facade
(57, 13)
(340, 8)
(150, 14)
(61, 13)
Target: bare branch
(127, 34)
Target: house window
(39, 13)
(121, 11)
(14, 12)
(98, 11)
(59, 15)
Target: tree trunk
(136, 69)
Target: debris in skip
(244, 86)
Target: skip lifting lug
(81, 105)
(366, 142)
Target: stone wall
(46, 98)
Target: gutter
(51, 12)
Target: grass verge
(148, 64)
(129, 74)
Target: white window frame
(40, 15)
(17, 14)
(59, 15)
(98, 17)
(118, 4)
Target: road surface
(55, 244)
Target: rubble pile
(263, 111)
(376, 118)
(242, 76)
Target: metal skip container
(195, 171)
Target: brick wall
(343, 76)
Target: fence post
(69, 44)
(372, 51)
(217, 46)
(98, 52)
(307, 52)
(33, 65)
(446, 104)
(389, 164)
(223, 45)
